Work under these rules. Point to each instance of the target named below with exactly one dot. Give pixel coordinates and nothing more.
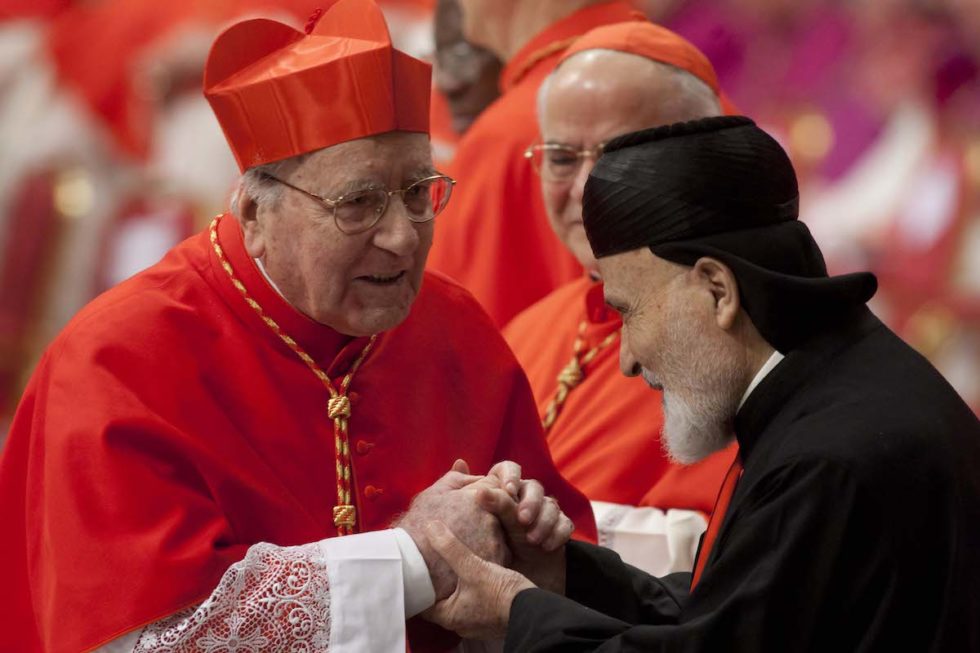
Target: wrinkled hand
(453, 500)
(544, 521)
(536, 531)
(535, 527)
(480, 606)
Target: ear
(248, 217)
(720, 282)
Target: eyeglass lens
(557, 162)
(423, 200)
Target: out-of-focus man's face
(594, 97)
(671, 339)
(357, 284)
(465, 73)
(480, 17)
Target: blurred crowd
(110, 155)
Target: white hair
(255, 183)
(690, 98)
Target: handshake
(484, 539)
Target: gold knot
(344, 515)
(572, 375)
(338, 406)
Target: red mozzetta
(168, 428)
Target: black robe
(855, 525)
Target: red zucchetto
(278, 92)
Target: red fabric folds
(167, 429)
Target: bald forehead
(650, 91)
(605, 67)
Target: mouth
(382, 280)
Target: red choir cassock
(175, 422)
(168, 428)
(495, 238)
(605, 438)
(605, 435)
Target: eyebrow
(349, 187)
(427, 171)
(365, 184)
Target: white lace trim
(276, 599)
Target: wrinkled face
(357, 284)
(672, 339)
(464, 73)
(594, 97)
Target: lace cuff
(275, 599)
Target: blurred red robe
(168, 428)
(495, 238)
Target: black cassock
(855, 525)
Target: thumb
(461, 466)
(457, 555)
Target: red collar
(559, 35)
(332, 350)
(596, 311)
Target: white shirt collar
(761, 374)
(258, 263)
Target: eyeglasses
(357, 212)
(557, 162)
(463, 60)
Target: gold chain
(573, 373)
(338, 407)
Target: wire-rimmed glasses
(559, 162)
(360, 210)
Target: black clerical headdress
(721, 187)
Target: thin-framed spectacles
(463, 60)
(558, 162)
(356, 212)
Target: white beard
(702, 396)
(692, 433)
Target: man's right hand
(536, 531)
(453, 500)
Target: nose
(395, 232)
(447, 82)
(628, 365)
(581, 176)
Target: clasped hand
(484, 539)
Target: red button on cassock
(363, 447)
(372, 492)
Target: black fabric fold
(721, 187)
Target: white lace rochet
(275, 599)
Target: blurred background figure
(877, 101)
(465, 81)
(110, 153)
(495, 239)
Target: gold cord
(338, 407)
(573, 373)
